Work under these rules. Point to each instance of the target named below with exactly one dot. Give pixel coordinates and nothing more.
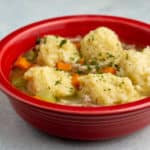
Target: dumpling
(53, 49)
(108, 89)
(136, 66)
(101, 44)
(40, 78)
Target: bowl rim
(11, 91)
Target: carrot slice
(109, 70)
(37, 97)
(64, 66)
(22, 63)
(77, 44)
(81, 61)
(75, 80)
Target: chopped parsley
(89, 67)
(93, 62)
(58, 82)
(101, 77)
(127, 57)
(75, 54)
(121, 84)
(116, 66)
(102, 59)
(91, 39)
(110, 64)
(100, 54)
(110, 55)
(71, 89)
(38, 40)
(79, 72)
(62, 43)
(44, 40)
(97, 67)
(57, 99)
(107, 89)
(72, 58)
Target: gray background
(15, 134)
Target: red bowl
(84, 123)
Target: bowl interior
(129, 31)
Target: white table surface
(15, 134)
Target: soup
(93, 70)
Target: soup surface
(97, 69)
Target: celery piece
(18, 82)
(30, 55)
(45, 95)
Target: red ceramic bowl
(84, 123)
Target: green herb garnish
(57, 99)
(38, 40)
(110, 55)
(93, 62)
(121, 84)
(58, 82)
(89, 67)
(127, 56)
(97, 67)
(72, 58)
(116, 66)
(71, 89)
(62, 43)
(79, 72)
(110, 64)
(100, 54)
